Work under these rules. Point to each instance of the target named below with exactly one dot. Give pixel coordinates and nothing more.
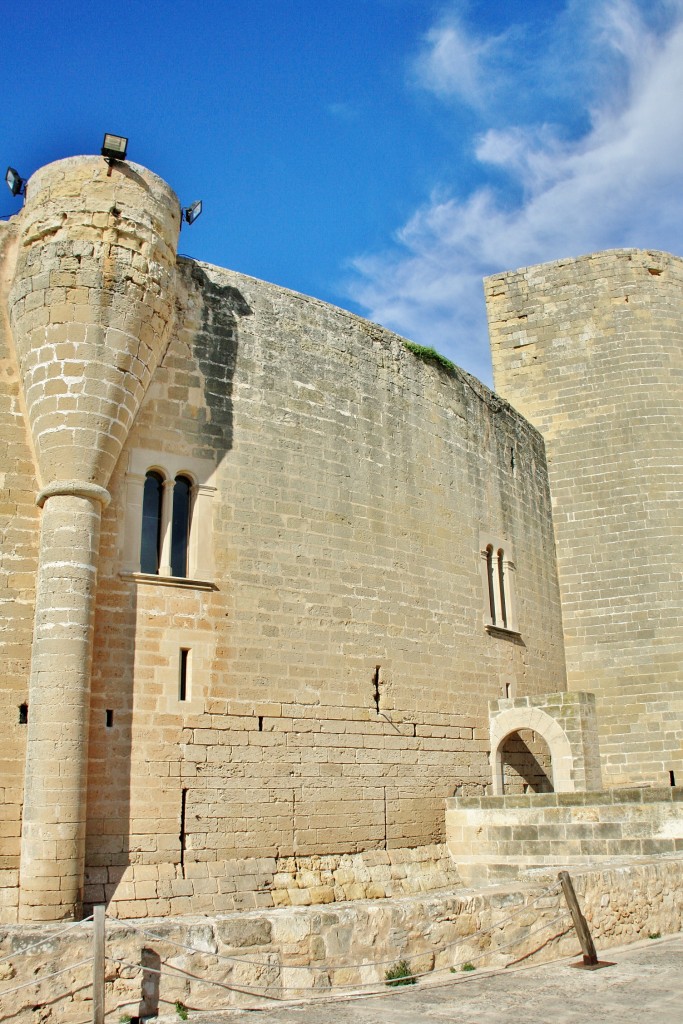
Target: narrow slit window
(109, 718)
(375, 688)
(491, 583)
(180, 525)
(183, 680)
(182, 837)
(23, 714)
(501, 588)
(150, 542)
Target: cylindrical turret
(91, 307)
(590, 350)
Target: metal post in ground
(98, 966)
(590, 957)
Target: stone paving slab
(645, 986)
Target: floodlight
(190, 213)
(15, 183)
(114, 147)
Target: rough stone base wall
(306, 951)
(151, 890)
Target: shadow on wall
(526, 763)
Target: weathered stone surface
(310, 950)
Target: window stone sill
(501, 631)
(182, 582)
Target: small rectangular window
(183, 674)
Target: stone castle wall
(341, 668)
(339, 661)
(300, 952)
(591, 351)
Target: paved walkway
(645, 986)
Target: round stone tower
(591, 351)
(91, 308)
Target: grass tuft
(429, 355)
(399, 974)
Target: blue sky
(383, 155)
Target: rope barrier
(248, 990)
(49, 938)
(336, 992)
(192, 977)
(330, 967)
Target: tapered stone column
(53, 840)
(91, 307)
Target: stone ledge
(168, 581)
(504, 837)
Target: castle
(266, 572)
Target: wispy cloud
(620, 183)
(455, 63)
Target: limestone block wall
(590, 350)
(224, 886)
(494, 838)
(341, 664)
(301, 952)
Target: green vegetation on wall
(429, 355)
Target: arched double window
(495, 573)
(168, 512)
(166, 515)
(497, 567)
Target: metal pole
(590, 957)
(98, 965)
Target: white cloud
(620, 184)
(453, 62)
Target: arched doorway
(525, 763)
(526, 720)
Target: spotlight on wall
(114, 147)
(15, 183)
(190, 213)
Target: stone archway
(525, 763)
(513, 720)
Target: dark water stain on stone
(215, 347)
